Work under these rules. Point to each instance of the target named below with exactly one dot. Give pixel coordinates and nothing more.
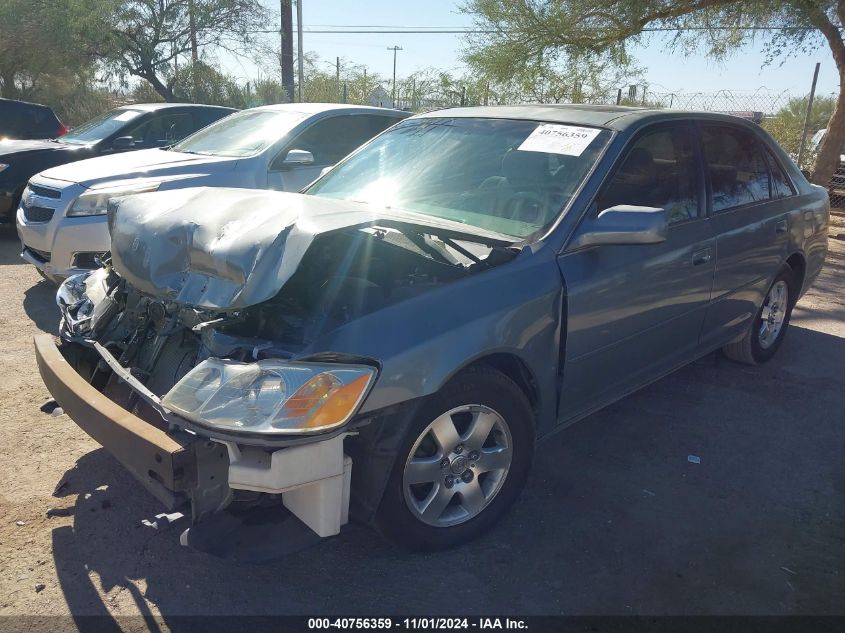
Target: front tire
(768, 329)
(462, 464)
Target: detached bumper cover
(162, 463)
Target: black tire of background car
(748, 350)
(475, 385)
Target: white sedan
(61, 219)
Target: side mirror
(298, 158)
(623, 224)
(123, 142)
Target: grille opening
(45, 192)
(37, 214)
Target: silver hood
(228, 249)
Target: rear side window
(207, 116)
(781, 187)
(658, 171)
(11, 123)
(736, 165)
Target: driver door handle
(702, 257)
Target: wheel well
(514, 368)
(796, 263)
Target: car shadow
(10, 246)
(616, 518)
(39, 303)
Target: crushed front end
(188, 354)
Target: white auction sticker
(550, 138)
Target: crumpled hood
(227, 249)
(144, 163)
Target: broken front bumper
(313, 479)
(165, 465)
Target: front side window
(658, 171)
(331, 139)
(241, 134)
(737, 168)
(161, 130)
(100, 127)
(509, 176)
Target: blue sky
(664, 72)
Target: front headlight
(271, 397)
(96, 202)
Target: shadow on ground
(614, 520)
(39, 303)
(10, 246)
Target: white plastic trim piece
(314, 480)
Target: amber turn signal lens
(339, 405)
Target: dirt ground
(615, 518)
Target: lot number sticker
(570, 140)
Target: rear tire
(768, 329)
(462, 464)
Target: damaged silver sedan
(390, 344)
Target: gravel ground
(615, 519)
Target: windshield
(99, 127)
(512, 177)
(241, 134)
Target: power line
(470, 31)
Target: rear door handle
(702, 257)
(781, 227)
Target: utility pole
(286, 35)
(394, 49)
(192, 25)
(807, 116)
(337, 76)
(299, 44)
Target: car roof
(609, 116)
(151, 107)
(27, 104)
(318, 108)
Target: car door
(750, 217)
(328, 140)
(634, 312)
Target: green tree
(43, 42)
(144, 38)
(524, 33)
(787, 125)
(203, 83)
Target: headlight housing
(270, 397)
(96, 202)
(80, 299)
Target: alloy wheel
(457, 465)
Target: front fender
(422, 342)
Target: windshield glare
(241, 134)
(512, 177)
(99, 127)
